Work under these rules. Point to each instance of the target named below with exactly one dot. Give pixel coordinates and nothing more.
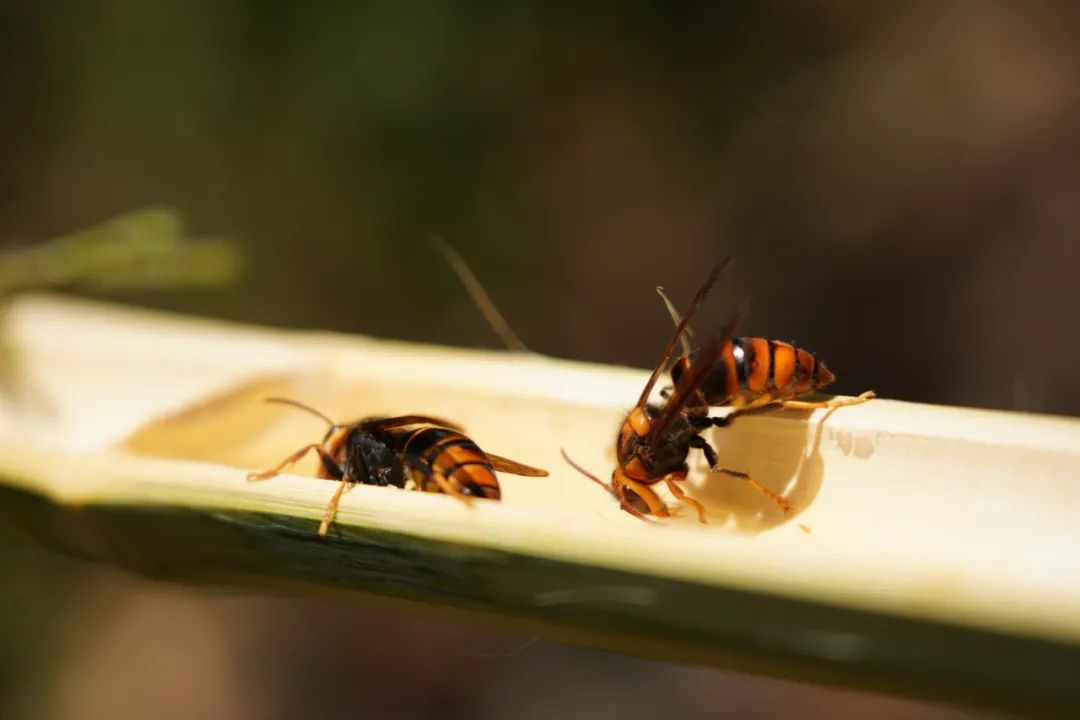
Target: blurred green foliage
(139, 250)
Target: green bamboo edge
(581, 604)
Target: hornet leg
(710, 456)
(679, 493)
(829, 405)
(332, 506)
(765, 403)
(328, 463)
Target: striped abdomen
(752, 368)
(436, 450)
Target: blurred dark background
(900, 185)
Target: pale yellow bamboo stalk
(924, 537)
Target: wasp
(428, 453)
(655, 440)
(756, 373)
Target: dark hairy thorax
(669, 453)
(373, 457)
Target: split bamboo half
(933, 551)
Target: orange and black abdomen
(750, 368)
(457, 458)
